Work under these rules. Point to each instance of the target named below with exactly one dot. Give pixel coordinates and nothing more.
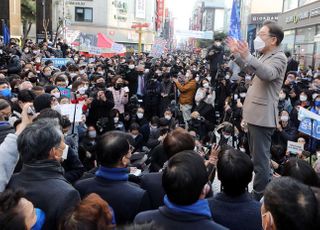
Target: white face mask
(284, 118)
(206, 85)
(235, 97)
(209, 78)
(282, 96)
(258, 44)
(303, 98)
(65, 153)
(82, 90)
(242, 150)
(116, 119)
(131, 66)
(56, 95)
(227, 136)
(92, 134)
(227, 77)
(168, 117)
(243, 95)
(140, 115)
(248, 78)
(56, 108)
(81, 71)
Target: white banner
(195, 34)
(141, 9)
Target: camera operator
(215, 58)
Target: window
(83, 14)
(288, 40)
(304, 2)
(305, 35)
(290, 4)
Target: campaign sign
(295, 147)
(305, 127)
(58, 62)
(65, 92)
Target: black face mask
(118, 86)
(33, 79)
(140, 72)
(101, 85)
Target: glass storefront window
(305, 35)
(304, 2)
(288, 40)
(304, 53)
(290, 4)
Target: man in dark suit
(175, 141)
(292, 64)
(260, 108)
(185, 207)
(42, 146)
(111, 179)
(234, 206)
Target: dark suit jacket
(126, 198)
(163, 218)
(236, 212)
(46, 187)
(152, 183)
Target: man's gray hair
(36, 141)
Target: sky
(182, 11)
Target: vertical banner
(158, 48)
(234, 30)
(140, 9)
(160, 10)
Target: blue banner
(305, 127)
(58, 62)
(5, 33)
(234, 30)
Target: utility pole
(138, 28)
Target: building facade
(301, 23)
(259, 12)
(113, 18)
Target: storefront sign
(260, 18)
(303, 16)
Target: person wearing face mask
(261, 104)
(284, 101)
(120, 94)
(116, 120)
(87, 149)
(42, 147)
(139, 117)
(5, 113)
(279, 200)
(45, 76)
(205, 98)
(18, 212)
(5, 90)
(111, 178)
(215, 58)
(187, 92)
(26, 55)
(285, 131)
(166, 92)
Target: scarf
(114, 174)
(201, 207)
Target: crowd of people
(153, 136)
